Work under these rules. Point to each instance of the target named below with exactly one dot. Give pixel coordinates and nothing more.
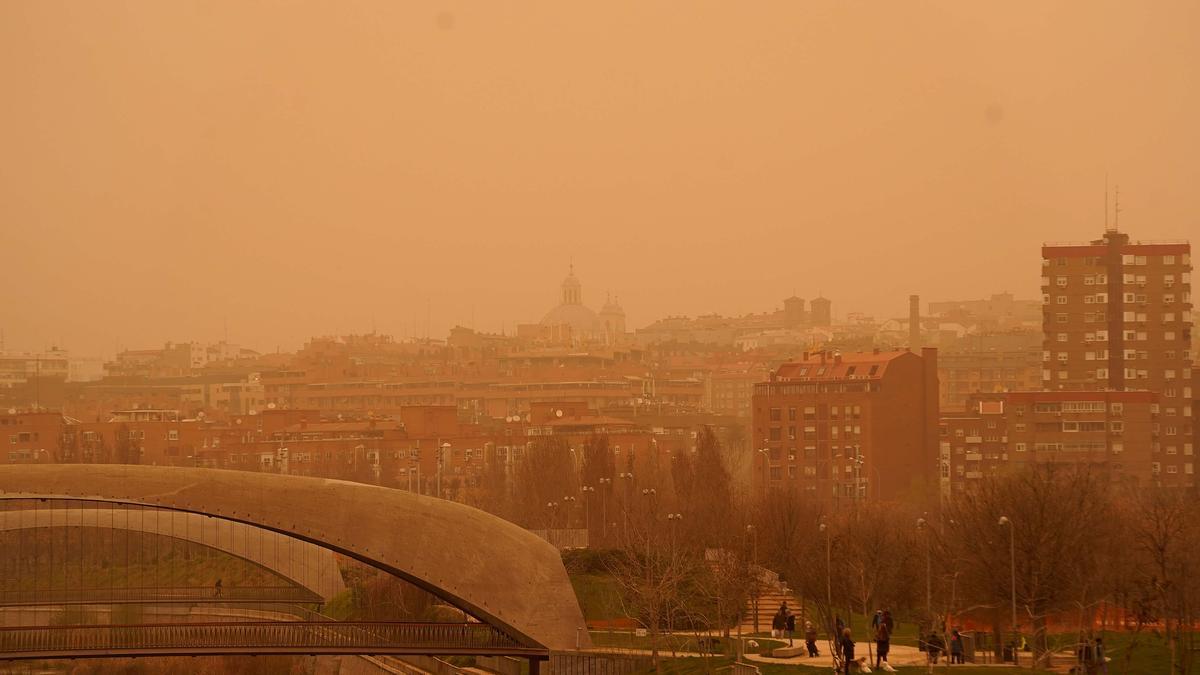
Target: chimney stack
(914, 322)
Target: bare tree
(1056, 512)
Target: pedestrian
(887, 619)
(1101, 660)
(847, 645)
(217, 589)
(875, 620)
(956, 647)
(779, 622)
(790, 625)
(883, 641)
(935, 646)
(810, 639)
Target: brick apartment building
(1118, 432)
(845, 426)
(1118, 316)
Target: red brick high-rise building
(846, 426)
(1118, 316)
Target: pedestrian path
(898, 655)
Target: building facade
(1120, 433)
(860, 425)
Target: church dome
(571, 312)
(581, 319)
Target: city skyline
(250, 181)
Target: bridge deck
(156, 595)
(258, 637)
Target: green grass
(599, 597)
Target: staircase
(771, 594)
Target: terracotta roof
(864, 365)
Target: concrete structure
(304, 564)
(847, 426)
(489, 567)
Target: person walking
(779, 622)
(790, 626)
(935, 645)
(847, 646)
(883, 640)
(217, 589)
(1101, 660)
(810, 639)
(956, 647)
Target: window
(173, 435)
(1118, 448)
(1172, 469)
(1062, 299)
(1020, 447)
(1061, 281)
(1168, 260)
(1060, 318)
(1061, 337)
(1116, 427)
(775, 414)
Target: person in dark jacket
(883, 642)
(779, 622)
(790, 626)
(810, 639)
(956, 647)
(847, 645)
(935, 645)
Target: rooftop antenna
(1117, 208)
(1106, 228)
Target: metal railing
(156, 595)
(258, 637)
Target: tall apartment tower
(1117, 315)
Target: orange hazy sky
(168, 168)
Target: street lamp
(828, 574)
(765, 451)
(627, 478)
(1012, 553)
(604, 507)
(922, 524)
(445, 447)
(567, 500)
(550, 506)
(754, 569)
(587, 491)
(673, 519)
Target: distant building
(1112, 431)
(573, 322)
(1000, 311)
(860, 425)
(822, 312)
(1118, 316)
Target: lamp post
(588, 491)
(673, 519)
(627, 480)
(567, 501)
(1012, 553)
(441, 460)
(550, 506)
(754, 569)
(765, 451)
(828, 574)
(605, 486)
(923, 525)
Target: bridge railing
(159, 594)
(250, 635)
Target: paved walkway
(898, 655)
